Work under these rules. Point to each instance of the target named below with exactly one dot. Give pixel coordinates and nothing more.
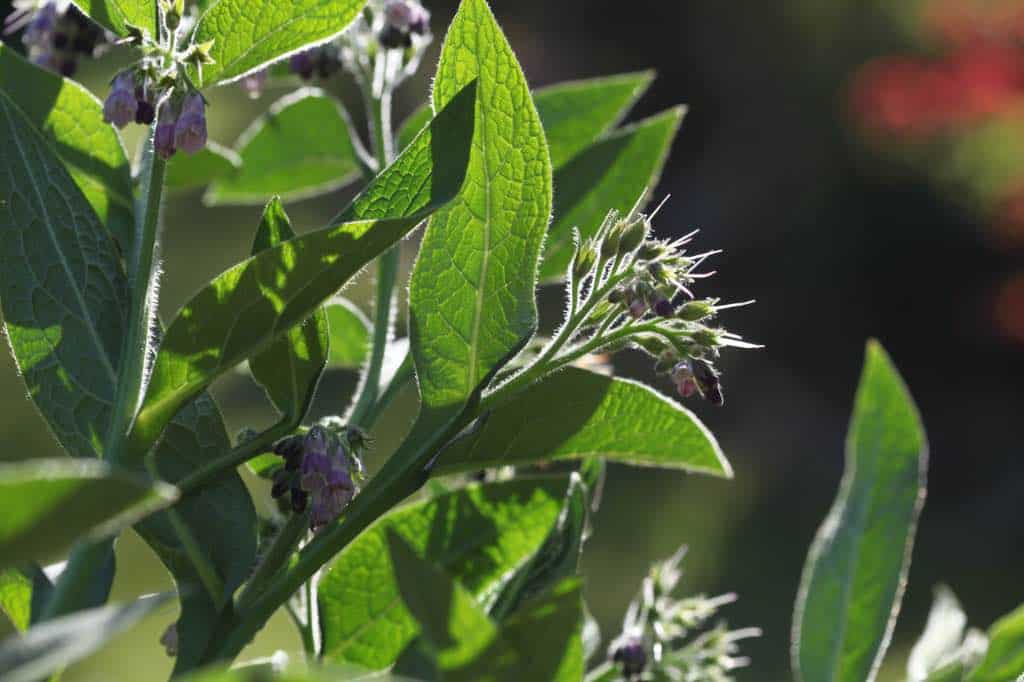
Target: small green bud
(654, 345)
(695, 311)
(633, 236)
(708, 338)
(610, 245)
(200, 53)
(585, 260)
(617, 295)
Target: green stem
(216, 468)
(378, 107)
(141, 275)
(403, 375)
(277, 556)
(207, 573)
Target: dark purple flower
(301, 63)
(630, 654)
(145, 113)
(121, 105)
(394, 39)
(190, 130)
(163, 139)
(664, 307)
(325, 476)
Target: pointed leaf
(476, 534)
(856, 569)
(471, 296)
(350, 335)
(575, 414)
(51, 646)
(248, 34)
(211, 163)
(221, 519)
(290, 367)
(244, 309)
(612, 173)
(61, 286)
(119, 15)
(71, 120)
(1004, 659)
(48, 504)
(300, 148)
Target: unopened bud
(708, 338)
(633, 236)
(585, 260)
(610, 245)
(637, 308)
(629, 653)
(695, 311)
(664, 308)
(302, 65)
(617, 295)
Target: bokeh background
(859, 161)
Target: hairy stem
(216, 468)
(277, 556)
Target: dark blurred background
(838, 239)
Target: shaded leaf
(574, 414)
(612, 173)
(476, 534)
(471, 296)
(51, 646)
(210, 163)
(350, 335)
(856, 569)
(245, 308)
(248, 34)
(46, 505)
(1004, 659)
(300, 148)
(290, 367)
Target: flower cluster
(666, 638)
(321, 471)
(627, 288)
(56, 33)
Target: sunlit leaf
(856, 569)
(119, 15)
(350, 335)
(211, 163)
(1004, 659)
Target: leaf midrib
(86, 314)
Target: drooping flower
(325, 476)
(190, 130)
(163, 140)
(121, 105)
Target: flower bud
(633, 236)
(617, 295)
(637, 308)
(302, 64)
(695, 311)
(394, 39)
(120, 105)
(610, 244)
(663, 307)
(629, 653)
(190, 130)
(708, 338)
(584, 262)
(163, 138)
(406, 16)
(708, 382)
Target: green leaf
(454, 626)
(244, 309)
(350, 335)
(477, 534)
(557, 559)
(46, 505)
(300, 148)
(471, 297)
(248, 34)
(1004, 660)
(221, 519)
(856, 569)
(70, 118)
(119, 15)
(574, 414)
(612, 173)
(61, 286)
(574, 113)
(211, 163)
(22, 592)
(541, 641)
(290, 367)
(51, 646)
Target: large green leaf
(23, 591)
(212, 162)
(1004, 660)
(248, 34)
(244, 309)
(290, 367)
(46, 505)
(574, 113)
(301, 147)
(49, 647)
(61, 286)
(856, 569)
(118, 15)
(71, 119)
(471, 297)
(575, 414)
(350, 335)
(612, 173)
(221, 520)
(477, 534)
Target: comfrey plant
(457, 556)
